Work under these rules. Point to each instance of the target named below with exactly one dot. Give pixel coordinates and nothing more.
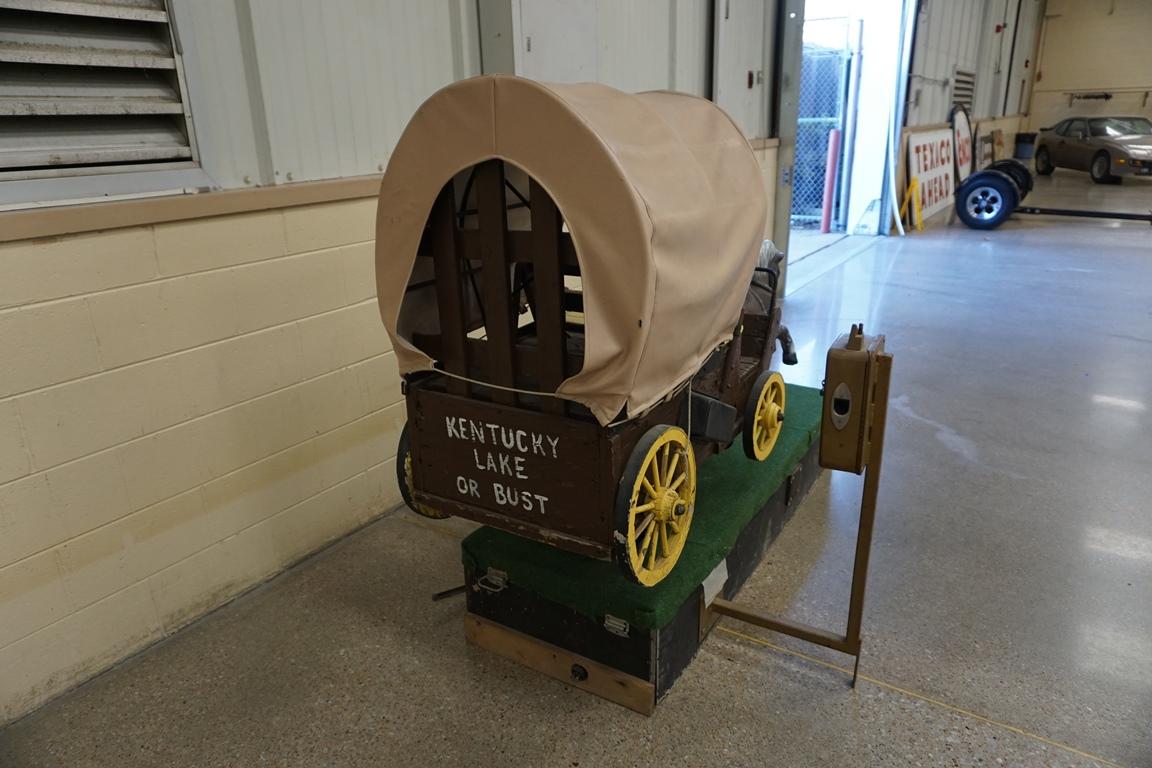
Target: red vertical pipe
(830, 179)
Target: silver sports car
(1109, 148)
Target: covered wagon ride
(573, 283)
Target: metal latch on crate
(615, 625)
(493, 580)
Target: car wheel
(986, 199)
(1044, 165)
(1101, 168)
(1019, 173)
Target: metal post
(868, 508)
(851, 641)
(830, 167)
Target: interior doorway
(848, 95)
(828, 72)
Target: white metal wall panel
(974, 36)
(341, 79)
(631, 46)
(466, 32)
(557, 41)
(742, 77)
(636, 44)
(499, 45)
(1023, 65)
(692, 65)
(948, 35)
(222, 106)
(293, 90)
(995, 50)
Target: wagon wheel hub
(669, 505)
(771, 416)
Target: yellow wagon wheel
(654, 504)
(764, 415)
(404, 479)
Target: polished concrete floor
(1009, 618)
(803, 242)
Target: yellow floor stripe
(927, 699)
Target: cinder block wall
(185, 409)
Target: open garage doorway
(826, 119)
(848, 74)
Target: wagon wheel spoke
(648, 488)
(671, 469)
(645, 523)
(678, 481)
(647, 539)
(663, 531)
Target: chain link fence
(823, 88)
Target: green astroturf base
(730, 490)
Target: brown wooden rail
(511, 263)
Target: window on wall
(964, 88)
(90, 87)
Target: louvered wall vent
(90, 86)
(964, 88)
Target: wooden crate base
(571, 668)
(632, 666)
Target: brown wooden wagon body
(530, 407)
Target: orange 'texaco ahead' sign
(931, 161)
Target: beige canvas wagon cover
(660, 191)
